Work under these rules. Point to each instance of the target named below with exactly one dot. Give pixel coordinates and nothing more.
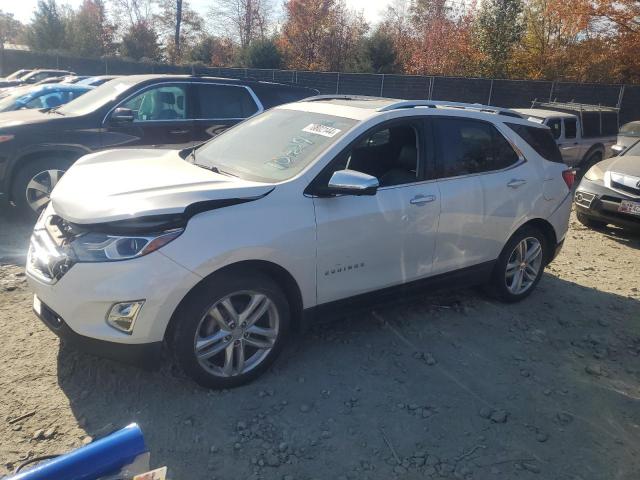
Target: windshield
(96, 98)
(273, 146)
(631, 129)
(18, 74)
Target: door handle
(516, 182)
(422, 199)
(178, 132)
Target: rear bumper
(598, 202)
(146, 355)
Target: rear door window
(540, 140)
(470, 146)
(556, 127)
(570, 128)
(224, 102)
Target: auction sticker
(319, 129)
(157, 474)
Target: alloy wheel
(237, 333)
(40, 186)
(523, 266)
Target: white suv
(218, 252)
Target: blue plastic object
(101, 457)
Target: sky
(22, 9)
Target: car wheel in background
(34, 182)
(230, 329)
(587, 163)
(590, 222)
(520, 265)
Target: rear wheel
(231, 329)
(520, 265)
(34, 183)
(590, 222)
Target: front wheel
(231, 329)
(34, 183)
(520, 265)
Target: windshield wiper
(215, 169)
(55, 110)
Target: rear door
(162, 118)
(483, 187)
(219, 106)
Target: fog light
(122, 316)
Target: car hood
(21, 117)
(626, 164)
(126, 184)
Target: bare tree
(242, 20)
(133, 12)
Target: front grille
(625, 183)
(624, 188)
(584, 199)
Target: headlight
(595, 174)
(102, 247)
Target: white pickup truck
(584, 133)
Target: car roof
(63, 86)
(362, 108)
(542, 113)
(133, 79)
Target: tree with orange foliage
(443, 43)
(320, 34)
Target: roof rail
(575, 106)
(321, 98)
(478, 107)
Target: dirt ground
(451, 385)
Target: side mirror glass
(350, 182)
(122, 115)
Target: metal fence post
(382, 86)
(551, 91)
(620, 96)
(490, 92)
(431, 80)
(106, 67)
(338, 83)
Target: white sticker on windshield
(319, 129)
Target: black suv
(163, 111)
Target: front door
(570, 146)
(218, 107)
(161, 119)
(365, 243)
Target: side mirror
(350, 182)
(122, 115)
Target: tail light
(569, 177)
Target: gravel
(449, 385)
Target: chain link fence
(497, 92)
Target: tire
(205, 316)
(588, 162)
(590, 222)
(45, 172)
(501, 285)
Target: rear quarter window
(540, 139)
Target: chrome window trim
(146, 87)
